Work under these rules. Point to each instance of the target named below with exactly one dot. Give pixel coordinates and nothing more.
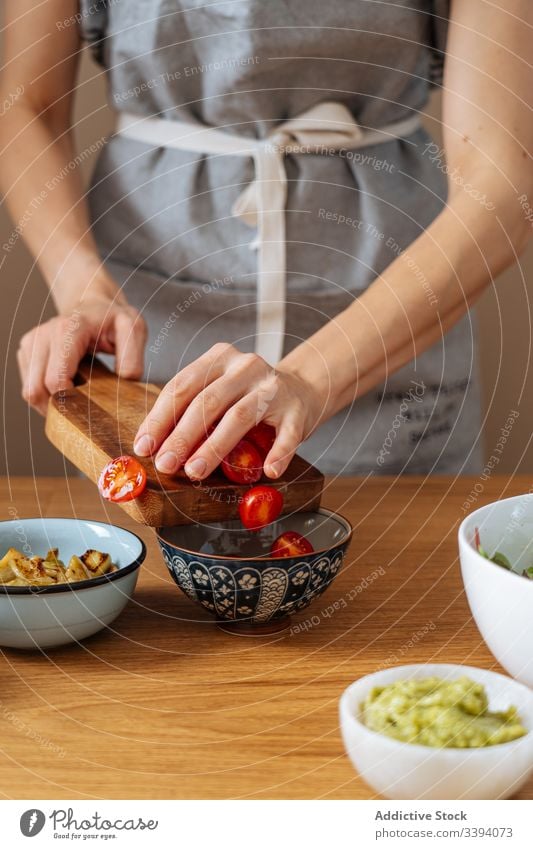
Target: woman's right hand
(49, 355)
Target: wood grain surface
(165, 705)
(97, 421)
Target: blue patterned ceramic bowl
(229, 570)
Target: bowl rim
(264, 559)
(76, 586)
(463, 539)
(435, 751)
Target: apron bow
(325, 128)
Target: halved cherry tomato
(123, 479)
(243, 464)
(263, 436)
(260, 506)
(291, 544)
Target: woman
(269, 189)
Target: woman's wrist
(308, 365)
(71, 291)
(331, 358)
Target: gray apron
(163, 217)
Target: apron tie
(326, 128)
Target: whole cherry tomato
(123, 479)
(263, 436)
(291, 544)
(260, 506)
(243, 464)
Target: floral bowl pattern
(229, 570)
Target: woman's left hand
(238, 391)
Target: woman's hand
(41, 63)
(49, 355)
(238, 391)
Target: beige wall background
(504, 325)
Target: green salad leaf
(499, 558)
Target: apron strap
(327, 128)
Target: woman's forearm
(39, 173)
(43, 191)
(419, 296)
(488, 138)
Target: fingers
(290, 434)
(208, 407)
(32, 357)
(237, 390)
(236, 423)
(69, 340)
(49, 355)
(174, 400)
(130, 338)
(48, 358)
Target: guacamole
(434, 712)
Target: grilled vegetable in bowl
(18, 570)
(63, 597)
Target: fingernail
(144, 445)
(275, 469)
(196, 468)
(167, 462)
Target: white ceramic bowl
(399, 770)
(501, 601)
(43, 617)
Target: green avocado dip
(434, 712)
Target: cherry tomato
(243, 464)
(260, 506)
(123, 479)
(262, 435)
(291, 544)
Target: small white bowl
(43, 617)
(400, 770)
(501, 601)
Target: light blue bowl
(43, 617)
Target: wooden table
(166, 705)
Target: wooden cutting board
(97, 420)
